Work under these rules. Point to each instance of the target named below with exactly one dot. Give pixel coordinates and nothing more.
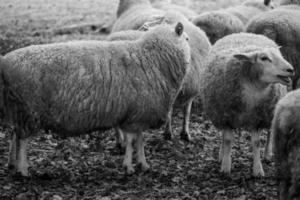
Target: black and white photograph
(149, 99)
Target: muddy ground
(89, 167)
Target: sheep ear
(267, 2)
(179, 29)
(245, 57)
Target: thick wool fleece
(286, 130)
(218, 24)
(132, 14)
(78, 87)
(250, 9)
(222, 86)
(168, 5)
(284, 30)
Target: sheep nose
(290, 71)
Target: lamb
(241, 87)
(78, 87)
(168, 5)
(286, 130)
(125, 35)
(200, 47)
(284, 30)
(132, 14)
(218, 24)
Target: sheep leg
(141, 158)
(221, 150)
(12, 162)
(22, 163)
(120, 140)
(228, 139)
(269, 147)
(168, 129)
(127, 163)
(257, 166)
(185, 133)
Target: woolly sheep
(218, 24)
(132, 14)
(168, 5)
(239, 89)
(289, 2)
(285, 130)
(284, 30)
(200, 47)
(79, 87)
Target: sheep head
(267, 66)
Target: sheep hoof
(268, 156)
(258, 171)
(145, 167)
(129, 169)
(226, 170)
(185, 136)
(168, 135)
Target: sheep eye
(187, 39)
(265, 58)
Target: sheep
(289, 2)
(241, 83)
(132, 14)
(168, 5)
(284, 30)
(200, 47)
(220, 23)
(78, 87)
(125, 35)
(285, 130)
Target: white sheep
(220, 23)
(284, 30)
(132, 14)
(240, 90)
(200, 47)
(78, 87)
(168, 5)
(286, 130)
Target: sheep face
(269, 66)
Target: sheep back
(284, 30)
(125, 35)
(218, 24)
(285, 130)
(222, 86)
(135, 16)
(79, 87)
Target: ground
(89, 167)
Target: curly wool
(78, 87)
(284, 30)
(132, 14)
(222, 87)
(285, 130)
(289, 2)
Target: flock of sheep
(240, 62)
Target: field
(89, 167)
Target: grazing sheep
(132, 14)
(200, 47)
(284, 30)
(286, 130)
(239, 89)
(218, 24)
(78, 87)
(168, 5)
